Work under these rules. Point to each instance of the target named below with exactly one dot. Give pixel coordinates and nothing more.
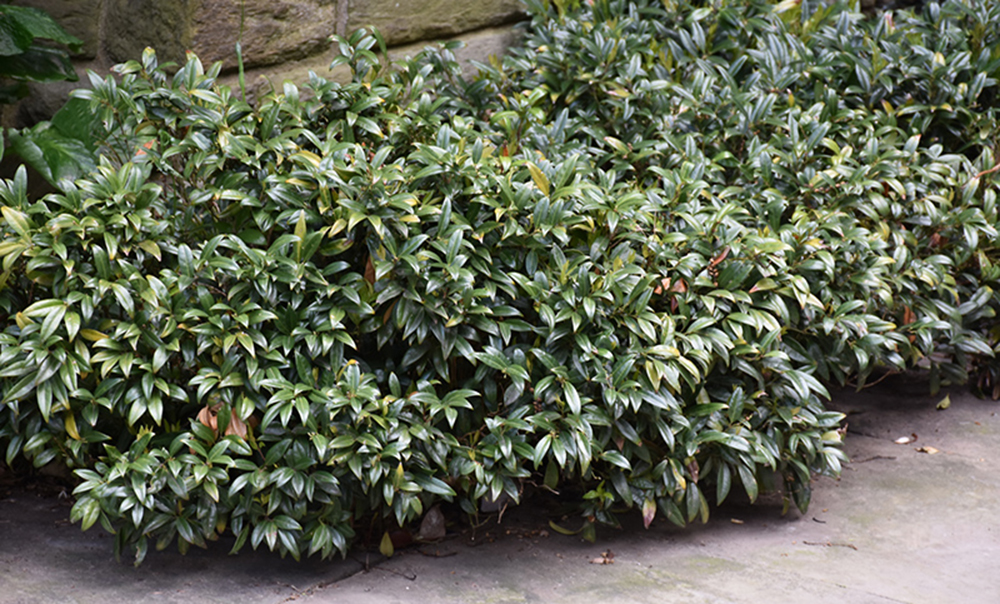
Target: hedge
(626, 261)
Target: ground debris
(831, 544)
(607, 557)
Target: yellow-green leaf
(310, 157)
(300, 232)
(831, 436)
(336, 227)
(151, 248)
(561, 530)
(616, 144)
(92, 335)
(17, 220)
(386, 547)
(246, 342)
(541, 181)
(70, 424)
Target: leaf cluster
(31, 51)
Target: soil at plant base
(911, 522)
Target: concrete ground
(915, 523)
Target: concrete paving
(915, 523)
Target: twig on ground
(831, 544)
(874, 457)
(437, 554)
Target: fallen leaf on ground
(945, 402)
(735, 521)
(386, 547)
(607, 557)
(927, 449)
(561, 530)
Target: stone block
(132, 25)
(282, 39)
(479, 45)
(274, 31)
(402, 21)
(260, 81)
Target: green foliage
(623, 262)
(31, 50)
(60, 149)
(25, 55)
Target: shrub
(623, 262)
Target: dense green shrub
(621, 263)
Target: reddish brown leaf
(722, 256)
(648, 512)
(207, 417)
(908, 316)
(236, 426)
(388, 312)
(694, 470)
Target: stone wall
(281, 39)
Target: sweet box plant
(624, 262)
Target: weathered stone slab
(282, 39)
(132, 25)
(402, 21)
(274, 31)
(479, 46)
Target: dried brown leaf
(207, 417)
(607, 557)
(236, 426)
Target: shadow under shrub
(624, 261)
